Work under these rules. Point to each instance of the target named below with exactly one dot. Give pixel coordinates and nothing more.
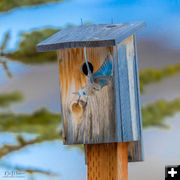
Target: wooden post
(107, 161)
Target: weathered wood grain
(107, 161)
(132, 88)
(126, 119)
(128, 116)
(93, 122)
(136, 151)
(91, 35)
(117, 95)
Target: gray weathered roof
(91, 35)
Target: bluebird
(103, 74)
(97, 80)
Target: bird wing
(103, 74)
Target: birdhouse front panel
(89, 118)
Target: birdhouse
(99, 84)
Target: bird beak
(77, 93)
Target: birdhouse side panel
(92, 118)
(128, 118)
(133, 88)
(136, 150)
(137, 90)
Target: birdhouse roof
(91, 35)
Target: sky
(162, 17)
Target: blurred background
(30, 121)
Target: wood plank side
(95, 121)
(138, 98)
(117, 95)
(132, 86)
(107, 161)
(127, 134)
(61, 107)
(128, 90)
(136, 151)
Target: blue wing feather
(104, 73)
(105, 70)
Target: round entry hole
(85, 69)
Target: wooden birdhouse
(99, 84)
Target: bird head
(81, 92)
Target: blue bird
(97, 80)
(102, 76)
